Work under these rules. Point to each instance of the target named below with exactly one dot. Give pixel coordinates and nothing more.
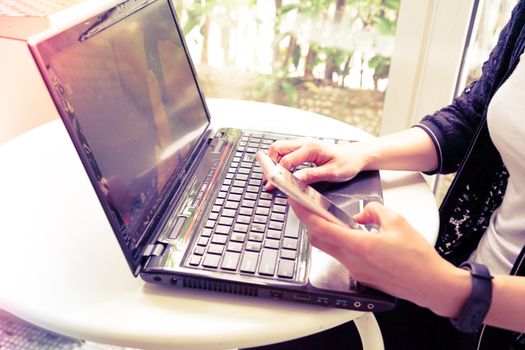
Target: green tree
(381, 66)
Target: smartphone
(306, 195)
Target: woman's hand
(396, 259)
(335, 162)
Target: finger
(327, 231)
(333, 250)
(376, 213)
(268, 186)
(316, 174)
(281, 148)
(306, 153)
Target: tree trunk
(362, 70)
(330, 69)
(346, 70)
(226, 43)
(276, 29)
(290, 50)
(309, 64)
(205, 40)
(331, 65)
(339, 10)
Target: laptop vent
(219, 287)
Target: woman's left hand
(396, 259)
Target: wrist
(454, 292)
(477, 306)
(370, 155)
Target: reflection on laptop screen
(135, 106)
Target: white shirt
(505, 236)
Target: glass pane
(493, 15)
(327, 56)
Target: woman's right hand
(334, 162)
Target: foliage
(294, 59)
(381, 66)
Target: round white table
(61, 267)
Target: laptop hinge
(153, 250)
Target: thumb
(314, 174)
(376, 213)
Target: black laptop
(186, 203)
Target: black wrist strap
(478, 303)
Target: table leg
(369, 332)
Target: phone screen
(306, 195)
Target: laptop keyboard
(245, 232)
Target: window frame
(430, 46)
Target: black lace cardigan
(461, 137)
(459, 132)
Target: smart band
(478, 303)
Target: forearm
(508, 303)
(411, 149)
(507, 308)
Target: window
(331, 57)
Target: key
(262, 211)
(286, 268)
(249, 262)
(266, 195)
(234, 197)
(234, 246)
(231, 205)
(238, 237)
(252, 196)
(248, 203)
(230, 261)
(254, 236)
(219, 239)
(288, 254)
(228, 212)
(281, 201)
(221, 229)
(195, 260)
(257, 228)
(203, 241)
(243, 219)
(252, 189)
(276, 225)
(239, 183)
(264, 203)
(246, 211)
(206, 232)
(260, 219)
(277, 217)
(279, 209)
(199, 250)
(271, 243)
(255, 246)
(273, 234)
(290, 243)
(226, 221)
(268, 260)
(240, 228)
(215, 249)
(211, 260)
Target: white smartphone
(306, 195)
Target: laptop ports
(276, 295)
(302, 297)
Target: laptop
(186, 203)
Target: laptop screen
(127, 92)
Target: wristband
(478, 303)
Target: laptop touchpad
(328, 273)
